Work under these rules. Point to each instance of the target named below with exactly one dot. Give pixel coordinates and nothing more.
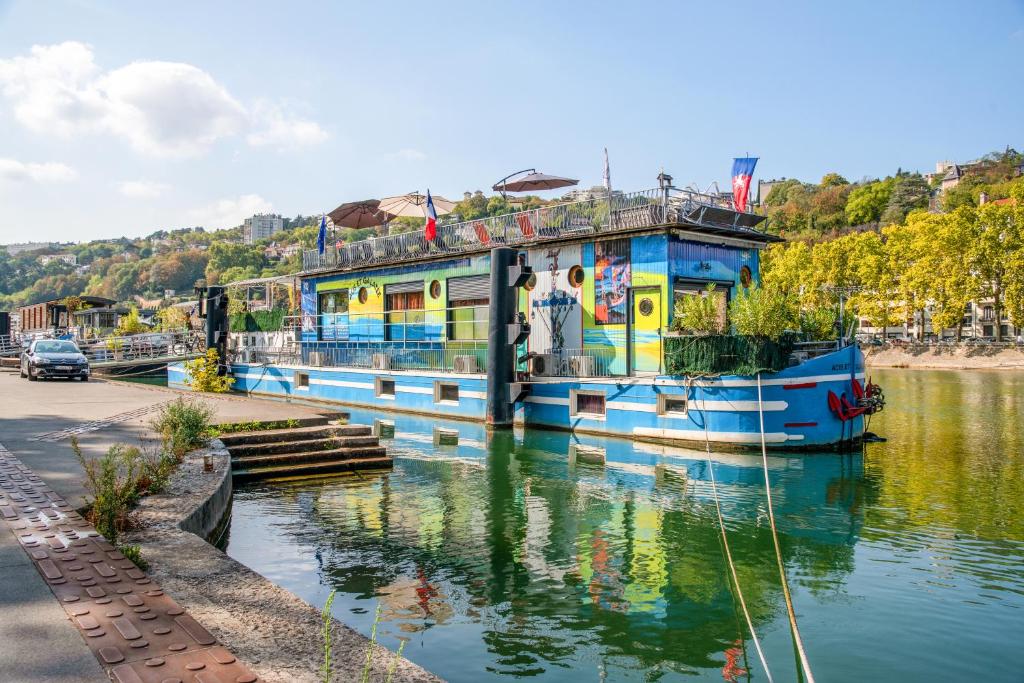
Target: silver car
(54, 358)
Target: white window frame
(574, 411)
(378, 388)
(446, 401)
(663, 409)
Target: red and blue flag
(430, 229)
(742, 173)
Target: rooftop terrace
(622, 212)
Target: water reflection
(575, 558)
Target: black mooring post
(504, 331)
(217, 325)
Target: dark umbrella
(364, 214)
(533, 181)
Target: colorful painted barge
(400, 323)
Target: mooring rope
(725, 539)
(804, 664)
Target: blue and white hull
(724, 410)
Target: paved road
(35, 418)
(37, 642)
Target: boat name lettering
(839, 367)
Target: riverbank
(272, 631)
(276, 633)
(945, 357)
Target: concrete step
(312, 468)
(251, 461)
(304, 446)
(321, 431)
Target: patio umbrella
(364, 214)
(532, 182)
(415, 204)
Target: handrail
(597, 215)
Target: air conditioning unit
(466, 364)
(581, 366)
(544, 365)
(381, 361)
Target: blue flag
(321, 238)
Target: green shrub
(183, 426)
(758, 312)
(112, 485)
(257, 321)
(253, 426)
(201, 374)
(699, 313)
(818, 324)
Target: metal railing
(592, 362)
(453, 357)
(590, 216)
(153, 346)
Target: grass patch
(134, 553)
(253, 426)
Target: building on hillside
(69, 259)
(765, 186)
(49, 317)
(261, 226)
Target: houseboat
(405, 324)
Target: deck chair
(481, 233)
(525, 226)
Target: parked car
(54, 358)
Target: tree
(224, 255)
(910, 192)
(833, 180)
(866, 203)
(994, 251)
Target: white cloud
(142, 189)
(274, 127)
(13, 170)
(163, 109)
(406, 154)
(229, 213)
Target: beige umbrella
(415, 204)
(364, 214)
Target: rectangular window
(672, 405)
(301, 380)
(403, 311)
(586, 403)
(333, 307)
(385, 388)
(446, 392)
(611, 281)
(468, 307)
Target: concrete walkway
(36, 420)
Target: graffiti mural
(611, 281)
(556, 317)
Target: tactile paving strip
(96, 425)
(139, 634)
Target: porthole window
(363, 295)
(646, 307)
(435, 289)
(745, 277)
(531, 283)
(576, 276)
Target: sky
(122, 118)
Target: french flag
(742, 172)
(430, 229)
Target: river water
(568, 558)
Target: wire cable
(798, 641)
(725, 545)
